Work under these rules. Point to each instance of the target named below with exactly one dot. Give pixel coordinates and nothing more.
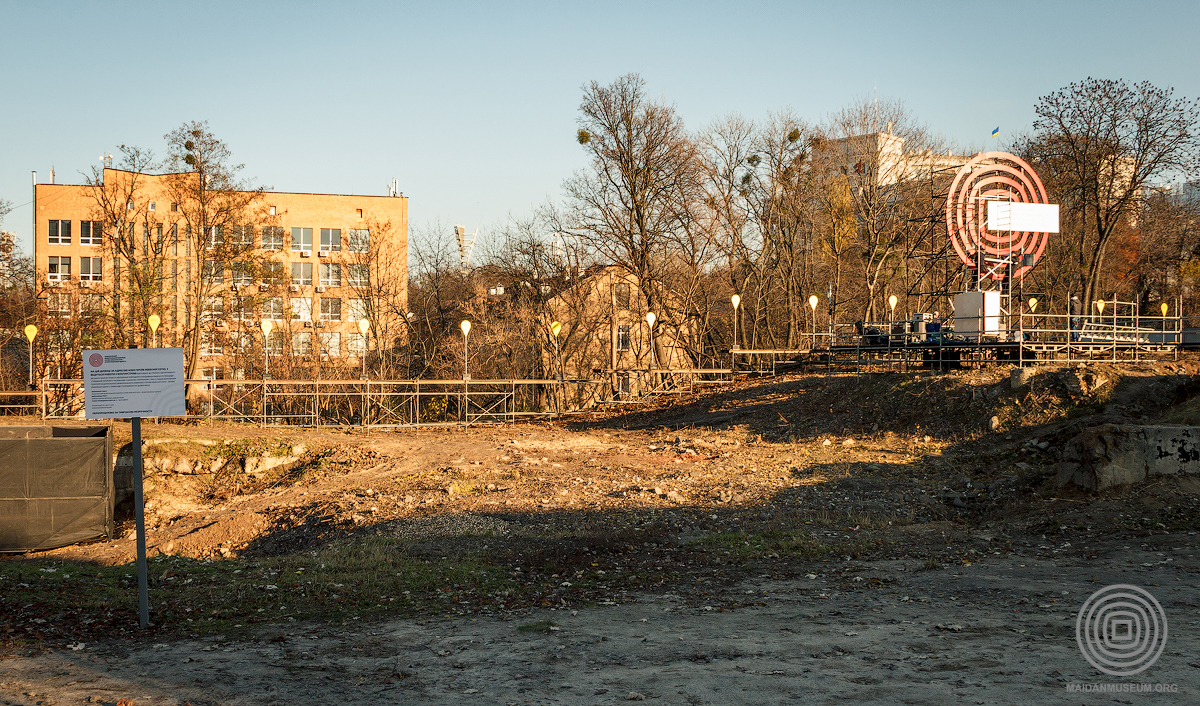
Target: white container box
(977, 313)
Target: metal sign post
(135, 383)
(140, 520)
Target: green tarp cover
(56, 486)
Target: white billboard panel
(1030, 217)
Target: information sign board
(133, 382)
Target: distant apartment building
(312, 265)
(884, 157)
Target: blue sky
(472, 106)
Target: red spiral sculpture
(993, 176)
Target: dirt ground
(887, 538)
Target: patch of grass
(931, 564)
(543, 626)
(794, 543)
(358, 579)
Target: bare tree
(135, 241)
(17, 307)
(381, 294)
(881, 151)
(1098, 144)
(638, 198)
(214, 211)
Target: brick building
(313, 265)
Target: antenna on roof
(466, 243)
(394, 187)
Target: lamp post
(1164, 309)
(30, 333)
(653, 356)
(154, 321)
(266, 325)
(555, 327)
(891, 317)
(466, 329)
(812, 304)
(735, 300)
(363, 327)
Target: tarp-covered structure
(56, 486)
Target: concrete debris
(1111, 455)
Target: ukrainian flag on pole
(996, 132)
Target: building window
(301, 309)
(331, 274)
(213, 272)
(174, 207)
(60, 343)
(302, 343)
(243, 236)
(59, 305)
(621, 294)
(331, 309)
(60, 232)
(244, 308)
(59, 268)
(496, 290)
(302, 273)
(272, 238)
(240, 273)
(623, 338)
(360, 240)
(272, 210)
(275, 343)
(356, 346)
(210, 344)
(216, 373)
(90, 269)
(91, 305)
(331, 345)
(357, 309)
(272, 309)
(175, 240)
(358, 276)
(623, 387)
(215, 237)
(152, 206)
(89, 233)
(331, 239)
(302, 239)
(214, 309)
(273, 273)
